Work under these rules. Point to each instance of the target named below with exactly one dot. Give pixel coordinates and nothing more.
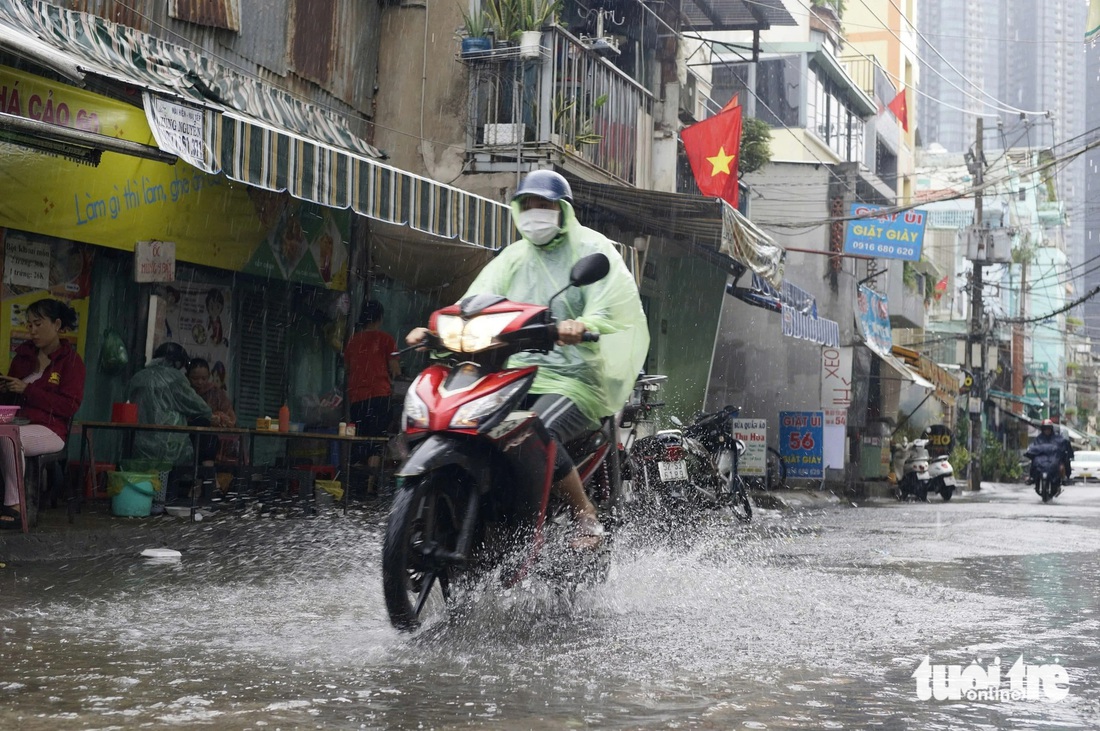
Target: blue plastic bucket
(135, 499)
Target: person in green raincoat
(578, 383)
(164, 396)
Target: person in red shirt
(371, 368)
(46, 379)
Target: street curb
(795, 500)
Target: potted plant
(476, 30)
(503, 17)
(533, 16)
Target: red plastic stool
(320, 471)
(94, 478)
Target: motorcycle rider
(578, 382)
(1048, 435)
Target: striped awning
(259, 155)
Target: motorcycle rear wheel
(416, 580)
(1046, 490)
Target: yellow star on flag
(720, 163)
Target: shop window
(779, 91)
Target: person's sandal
(588, 533)
(10, 518)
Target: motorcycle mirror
(675, 421)
(589, 270)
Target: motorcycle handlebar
(587, 337)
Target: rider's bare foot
(588, 533)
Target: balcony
(568, 106)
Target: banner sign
(873, 317)
(212, 220)
(154, 261)
(754, 434)
(804, 327)
(801, 443)
(178, 129)
(200, 318)
(835, 435)
(27, 263)
(890, 236)
(836, 378)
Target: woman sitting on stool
(46, 379)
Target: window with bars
(262, 373)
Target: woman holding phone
(46, 379)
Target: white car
(1085, 466)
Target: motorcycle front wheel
(417, 574)
(739, 500)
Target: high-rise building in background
(989, 56)
(1092, 193)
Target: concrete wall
(423, 89)
(755, 366)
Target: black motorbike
(680, 471)
(1046, 469)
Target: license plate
(949, 481)
(673, 471)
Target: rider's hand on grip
(590, 337)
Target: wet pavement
(805, 619)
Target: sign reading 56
(801, 441)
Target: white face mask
(539, 225)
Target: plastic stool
(95, 486)
(320, 471)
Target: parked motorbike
(910, 462)
(683, 470)
(475, 496)
(1046, 469)
(941, 476)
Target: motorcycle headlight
(416, 411)
(470, 336)
(469, 415)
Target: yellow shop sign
(43, 100)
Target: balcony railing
(568, 99)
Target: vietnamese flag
(900, 109)
(712, 148)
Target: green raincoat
(597, 377)
(164, 396)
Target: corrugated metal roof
(707, 15)
(215, 13)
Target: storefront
(273, 236)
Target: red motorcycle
(475, 495)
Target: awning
(1026, 400)
(296, 148)
(709, 15)
(710, 226)
(907, 375)
(67, 40)
(920, 380)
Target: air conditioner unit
(503, 134)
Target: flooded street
(803, 620)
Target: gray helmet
(545, 184)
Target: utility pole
(977, 390)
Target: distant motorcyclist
(1049, 450)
